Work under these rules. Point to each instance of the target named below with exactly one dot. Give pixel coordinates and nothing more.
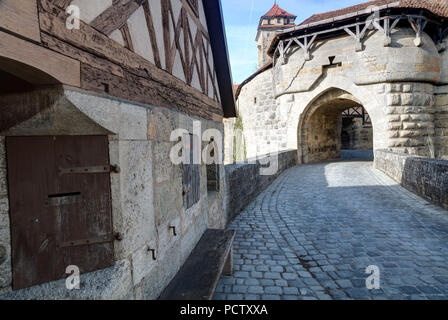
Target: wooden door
(59, 189)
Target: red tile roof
(276, 11)
(438, 7)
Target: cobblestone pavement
(314, 231)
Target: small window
(279, 20)
(255, 100)
(212, 168)
(191, 172)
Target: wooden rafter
(209, 72)
(152, 34)
(177, 28)
(166, 7)
(116, 16)
(127, 37)
(185, 27)
(62, 3)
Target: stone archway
(319, 128)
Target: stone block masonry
(146, 196)
(303, 238)
(5, 247)
(244, 182)
(425, 177)
(410, 112)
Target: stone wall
(264, 121)
(410, 113)
(441, 122)
(244, 181)
(358, 136)
(425, 177)
(146, 195)
(264, 41)
(229, 134)
(5, 243)
(401, 86)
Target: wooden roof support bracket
(440, 36)
(359, 34)
(306, 45)
(386, 28)
(418, 23)
(418, 27)
(282, 50)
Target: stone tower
(274, 21)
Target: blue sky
(241, 19)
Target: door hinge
(90, 170)
(85, 242)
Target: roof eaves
(332, 20)
(215, 24)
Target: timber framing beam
(36, 64)
(109, 68)
(116, 16)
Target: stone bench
(199, 276)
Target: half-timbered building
(90, 92)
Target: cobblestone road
(314, 231)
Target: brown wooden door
(59, 189)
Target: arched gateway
(320, 132)
(387, 56)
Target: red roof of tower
(276, 11)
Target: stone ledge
(108, 284)
(423, 176)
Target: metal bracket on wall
(173, 228)
(90, 170)
(153, 252)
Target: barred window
(191, 173)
